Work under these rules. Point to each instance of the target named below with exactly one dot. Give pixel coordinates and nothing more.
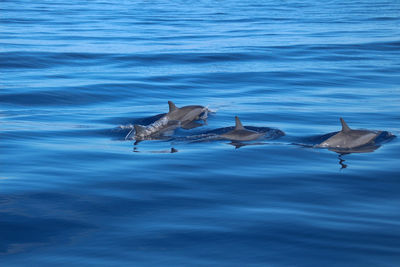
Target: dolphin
(240, 133)
(349, 139)
(187, 115)
(184, 117)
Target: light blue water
(74, 192)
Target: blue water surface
(76, 75)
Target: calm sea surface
(75, 75)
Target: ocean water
(76, 75)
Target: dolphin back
(136, 130)
(139, 130)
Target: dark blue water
(75, 75)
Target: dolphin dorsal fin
(172, 106)
(345, 127)
(238, 125)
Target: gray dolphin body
(184, 117)
(350, 139)
(240, 133)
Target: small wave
(43, 60)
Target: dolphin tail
(345, 127)
(238, 125)
(172, 106)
